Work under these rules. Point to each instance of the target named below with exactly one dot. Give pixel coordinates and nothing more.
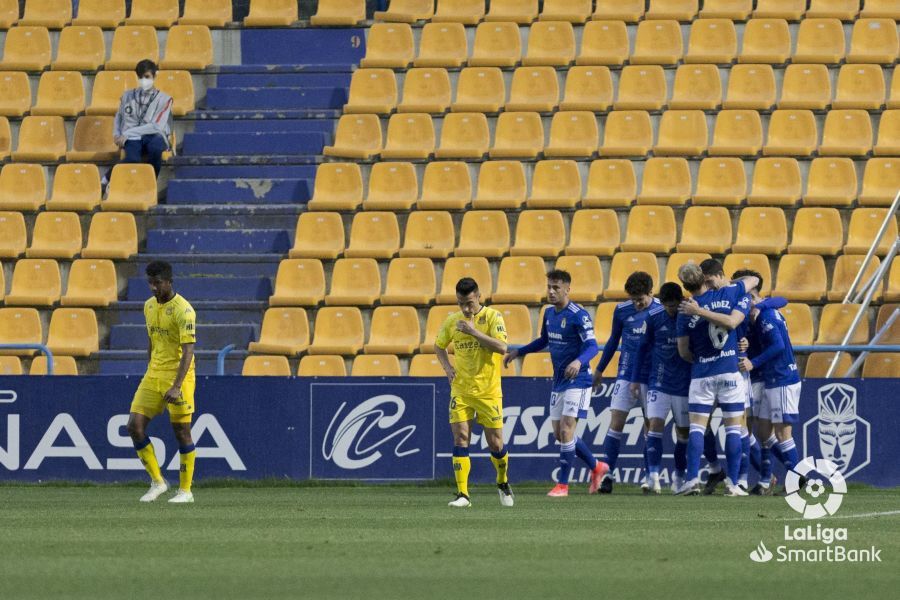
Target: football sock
(765, 462)
(461, 467)
(566, 458)
(681, 445)
(654, 451)
(789, 452)
(745, 457)
(694, 450)
(186, 474)
(776, 450)
(611, 447)
(583, 452)
(710, 452)
(148, 459)
(755, 460)
(733, 452)
(501, 463)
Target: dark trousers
(152, 145)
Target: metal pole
(862, 269)
(220, 359)
(878, 335)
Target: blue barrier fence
(41, 347)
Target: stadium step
(324, 126)
(134, 362)
(247, 159)
(238, 266)
(135, 316)
(273, 98)
(202, 114)
(218, 144)
(213, 241)
(239, 191)
(258, 80)
(239, 220)
(209, 288)
(209, 337)
(235, 172)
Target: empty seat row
(552, 43)
(72, 331)
(627, 133)
(83, 48)
(62, 365)
(37, 282)
(108, 14)
(394, 186)
(483, 89)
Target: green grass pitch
(373, 542)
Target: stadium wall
(381, 429)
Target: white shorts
(725, 390)
(660, 403)
(569, 403)
(757, 392)
(781, 404)
(623, 400)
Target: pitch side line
(869, 515)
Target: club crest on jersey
(843, 436)
(169, 311)
(563, 324)
(481, 320)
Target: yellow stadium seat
(801, 277)
(354, 281)
(321, 366)
(831, 182)
(650, 229)
(888, 133)
(9, 13)
(11, 365)
(389, 45)
(706, 229)
(573, 134)
(611, 183)
(518, 135)
(262, 365)
(845, 10)
(467, 12)
(604, 43)
(20, 326)
(425, 365)
(73, 332)
(517, 319)
(665, 181)
(892, 336)
(91, 283)
(410, 281)
(595, 232)
(41, 139)
(480, 89)
(847, 133)
(880, 9)
(26, 49)
(603, 321)
(679, 259)
(766, 41)
(5, 138)
(108, 89)
(754, 262)
(22, 187)
(501, 184)
(522, 12)
(218, 13)
(818, 363)
(107, 14)
(338, 330)
(394, 330)
(425, 91)
(132, 43)
(817, 231)
(407, 11)
(442, 45)
(642, 88)
(409, 136)
(587, 276)
(338, 186)
(573, 11)
(697, 87)
(835, 321)
(456, 268)
(721, 182)
(881, 181)
(791, 133)
(874, 41)
(35, 282)
(93, 140)
(537, 365)
(155, 13)
(680, 10)
(62, 365)
(319, 235)
(374, 235)
(761, 231)
(623, 265)
(299, 282)
(682, 133)
(188, 47)
(845, 270)
(627, 133)
(335, 13)
(860, 86)
(112, 235)
(657, 43)
(534, 89)
(357, 136)
(55, 235)
(737, 133)
(790, 10)
(555, 184)
(81, 48)
(736, 10)
(712, 41)
(550, 43)
(819, 41)
(429, 234)
(750, 87)
(464, 135)
(805, 86)
(132, 188)
(588, 88)
(776, 182)
(864, 225)
(52, 14)
(285, 330)
(799, 321)
(496, 45)
(539, 233)
(629, 11)
(12, 234)
(483, 233)
(179, 85)
(446, 186)
(376, 365)
(271, 13)
(392, 186)
(15, 94)
(882, 364)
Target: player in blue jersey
(569, 332)
(706, 338)
(628, 327)
(670, 380)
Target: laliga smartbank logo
(815, 489)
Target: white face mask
(146, 83)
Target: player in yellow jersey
(168, 383)
(478, 335)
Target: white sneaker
(506, 495)
(677, 482)
(689, 488)
(655, 487)
(182, 497)
(732, 490)
(157, 489)
(645, 486)
(461, 501)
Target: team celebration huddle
(711, 342)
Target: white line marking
(868, 515)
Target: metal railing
(44, 349)
(220, 358)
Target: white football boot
(157, 489)
(182, 497)
(461, 501)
